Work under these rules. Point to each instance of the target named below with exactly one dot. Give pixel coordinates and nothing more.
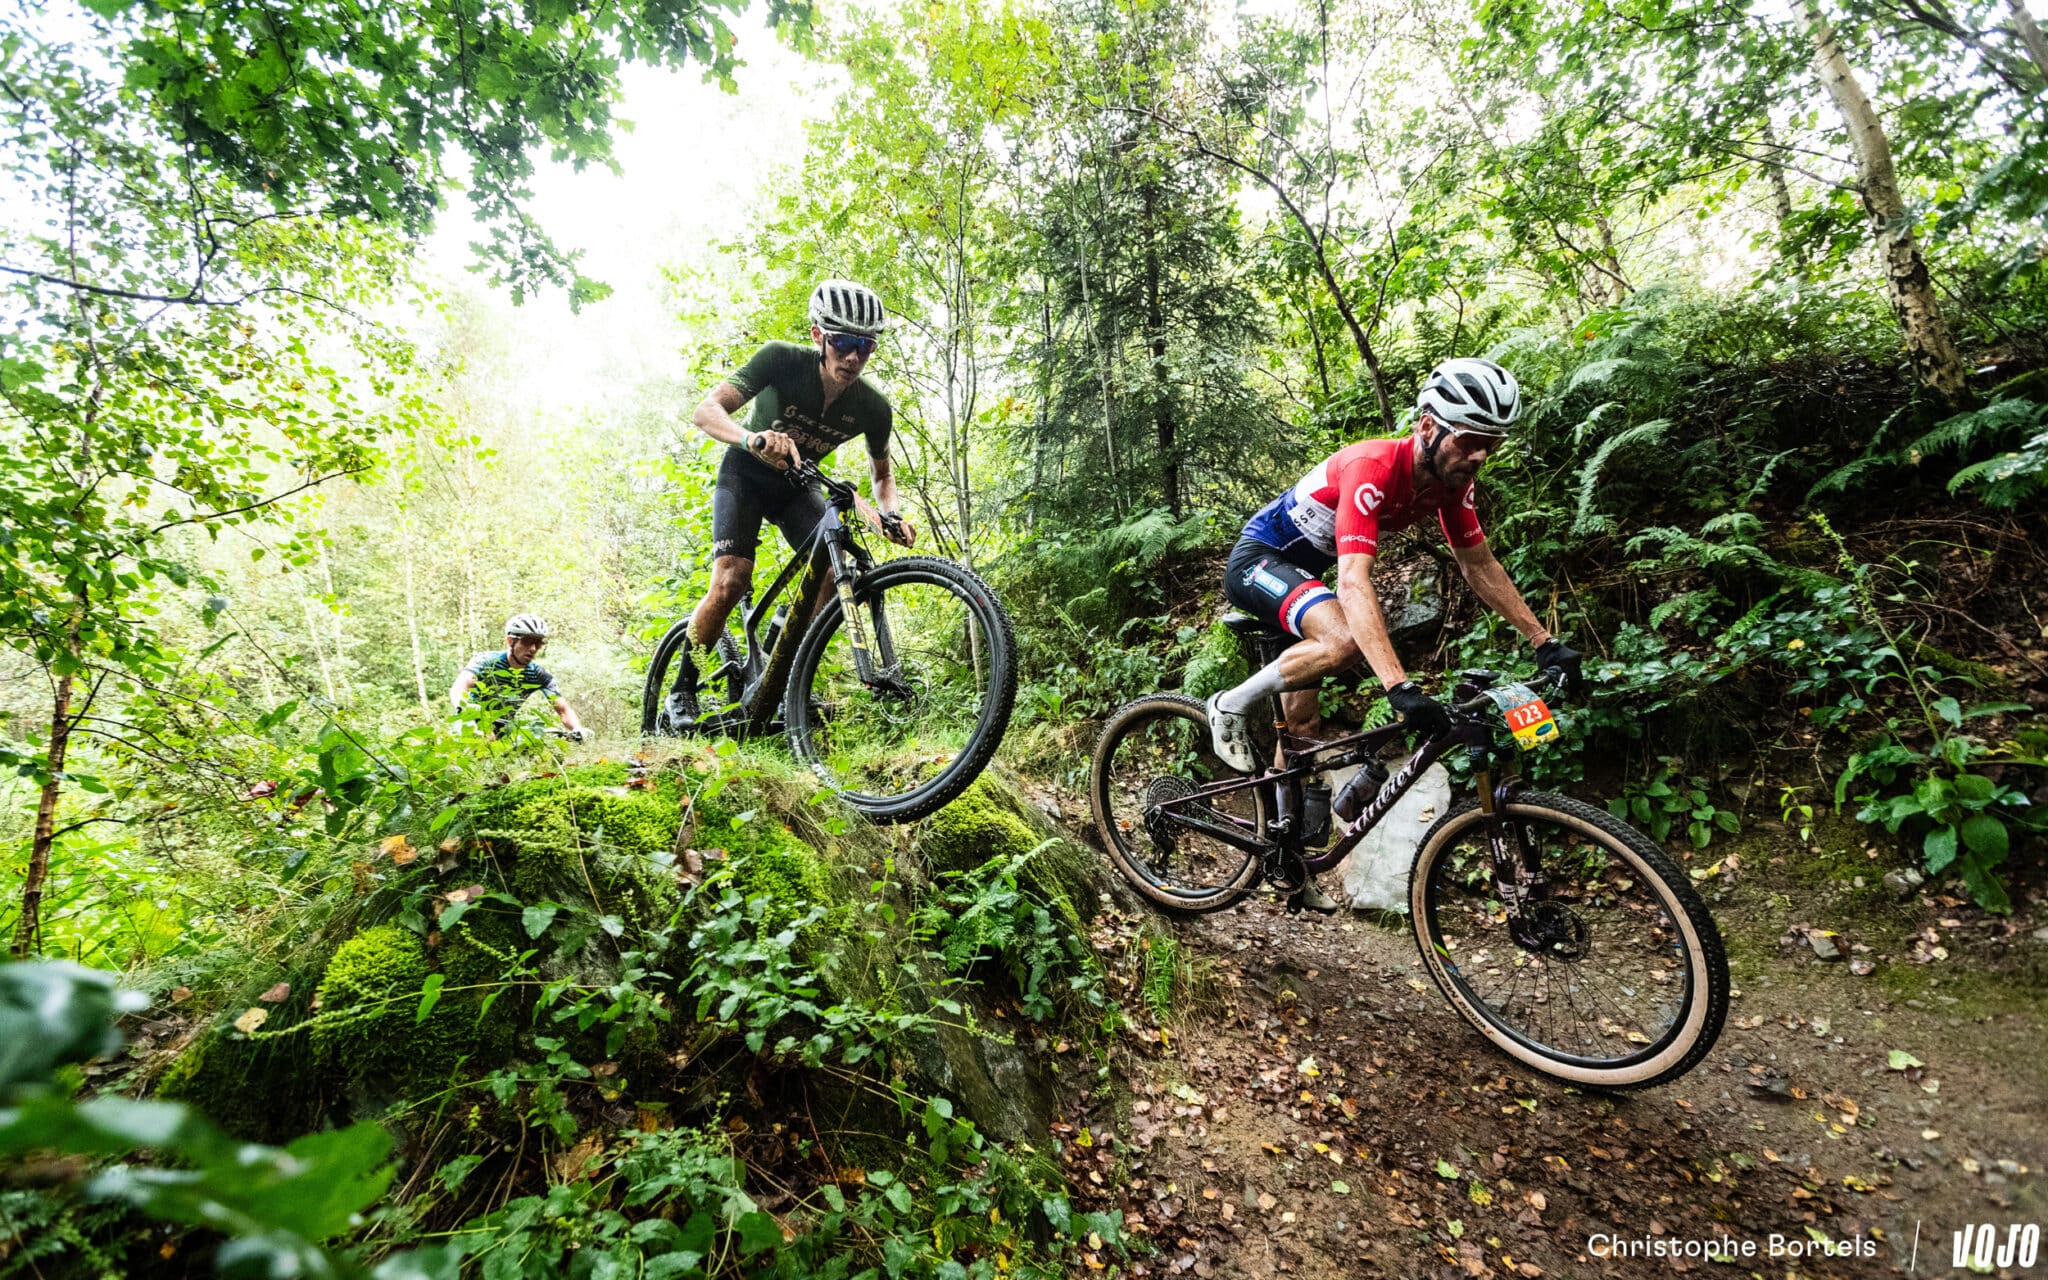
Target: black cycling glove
(1554, 655)
(1420, 713)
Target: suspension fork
(1517, 875)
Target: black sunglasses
(850, 344)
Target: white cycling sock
(1265, 682)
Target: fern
(1979, 429)
(1587, 520)
(2009, 479)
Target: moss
(992, 820)
(258, 1090)
(367, 1029)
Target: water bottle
(1315, 818)
(1360, 790)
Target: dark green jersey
(787, 386)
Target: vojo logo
(1982, 1247)
(1369, 498)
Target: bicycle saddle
(1246, 625)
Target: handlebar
(1548, 683)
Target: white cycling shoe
(1231, 737)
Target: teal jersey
(787, 386)
(503, 688)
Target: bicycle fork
(1518, 876)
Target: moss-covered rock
(367, 1030)
(992, 820)
(257, 1089)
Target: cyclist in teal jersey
(808, 400)
(500, 682)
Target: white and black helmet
(1469, 394)
(526, 624)
(841, 306)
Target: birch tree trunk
(28, 930)
(2029, 32)
(412, 616)
(1907, 282)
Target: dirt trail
(1330, 1116)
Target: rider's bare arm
(885, 494)
(1492, 585)
(1368, 624)
(714, 419)
(567, 715)
(458, 693)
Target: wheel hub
(1557, 930)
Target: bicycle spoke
(1144, 771)
(1601, 986)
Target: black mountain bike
(1568, 938)
(894, 686)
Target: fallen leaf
(1266, 1201)
(251, 1019)
(1900, 1060)
(180, 995)
(282, 991)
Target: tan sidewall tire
(1706, 961)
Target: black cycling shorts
(1263, 582)
(750, 491)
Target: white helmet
(841, 306)
(526, 624)
(1468, 394)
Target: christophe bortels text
(1730, 1248)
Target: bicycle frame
(832, 549)
(1470, 729)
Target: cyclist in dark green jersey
(808, 400)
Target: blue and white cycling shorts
(1262, 581)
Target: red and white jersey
(1348, 499)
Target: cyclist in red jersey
(1335, 516)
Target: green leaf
(1986, 837)
(1950, 710)
(758, 1231)
(430, 995)
(1900, 1060)
(1939, 848)
(538, 917)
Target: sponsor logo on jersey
(1368, 498)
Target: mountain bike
(1566, 937)
(892, 680)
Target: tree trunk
(412, 617)
(1907, 282)
(1774, 173)
(2029, 32)
(28, 930)
(1155, 322)
(1101, 368)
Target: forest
(312, 975)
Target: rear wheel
(1153, 751)
(906, 739)
(1623, 982)
(662, 714)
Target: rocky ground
(1316, 1108)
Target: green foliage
(277, 1206)
(990, 913)
(673, 1205)
(1674, 798)
(1218, 663)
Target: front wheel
(909, 734)
(1618, 980)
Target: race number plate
(1527, 715)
